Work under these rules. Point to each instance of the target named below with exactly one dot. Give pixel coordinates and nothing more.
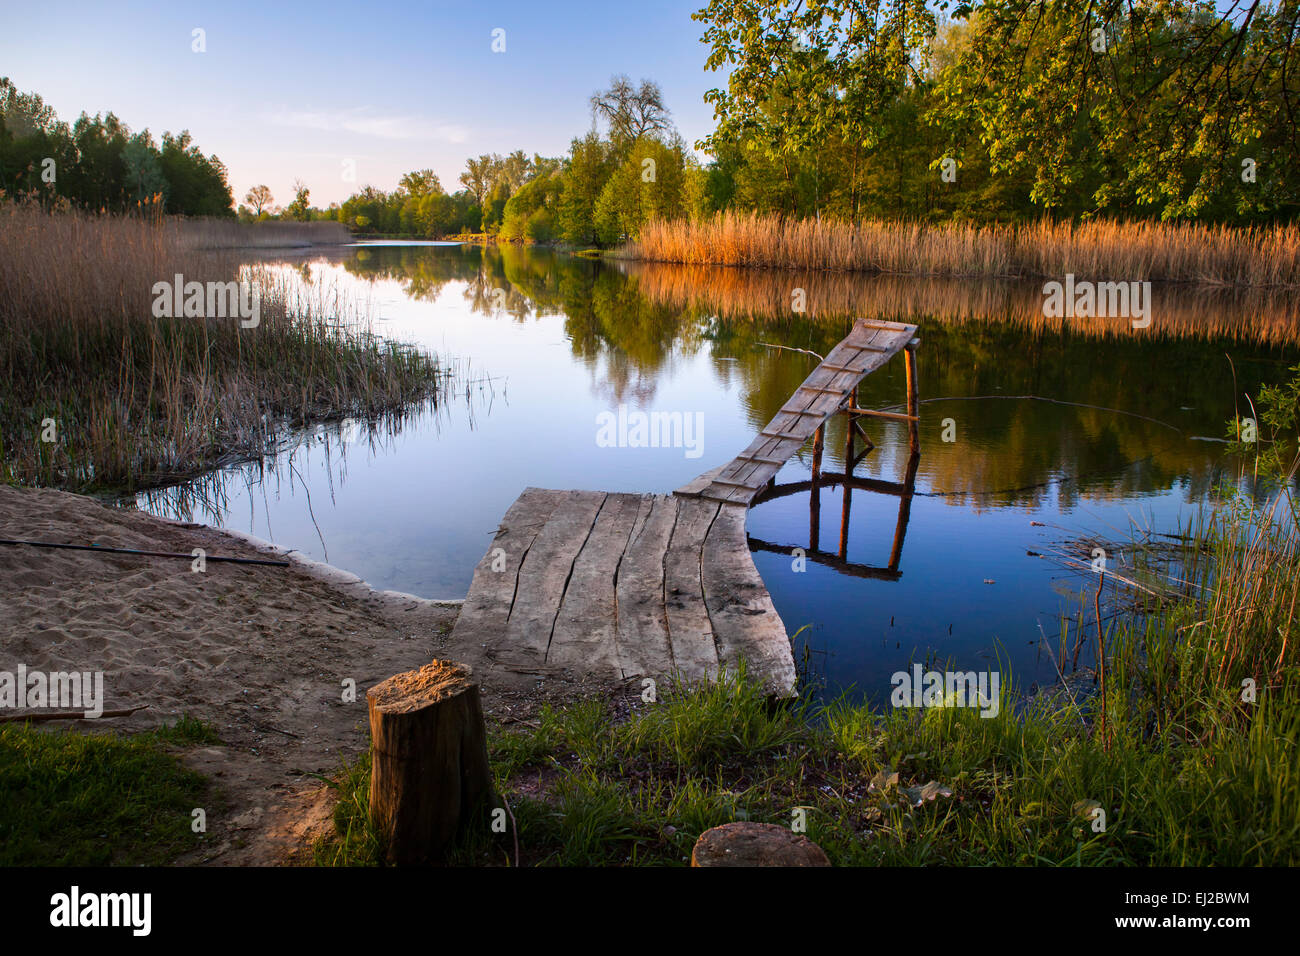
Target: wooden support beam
(913, 401)
(872, 413)
(848, 496)
(815, 498)
(819, 443)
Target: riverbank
(1188, 769)
(260, 654)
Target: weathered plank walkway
(626, 586)
(826, 391)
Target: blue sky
(289, 90)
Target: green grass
(590, 788)
(77, 799)
(354, 842)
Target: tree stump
(755, 844)
(429, 767)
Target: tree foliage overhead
(835, 67)
(1073, 108)
(1151, 105)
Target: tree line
(982, 111)
(98, 163)
(610, 182)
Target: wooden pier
(624, 586)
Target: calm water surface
(544, 343)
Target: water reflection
(1027, 425)
(838, 560)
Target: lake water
(1120, 433)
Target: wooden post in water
(815, 496)
(913, 401)
(848, 490)
(429, 767)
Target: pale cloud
(365, 123)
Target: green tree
(300, 208)
(834, 69)
(1126, 107)
(144, 177)
(650, 184)
(197, 183)
(590, 165)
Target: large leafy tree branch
(834, 68)
(1159, 102)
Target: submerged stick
(150, 554)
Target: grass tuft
(80, 799)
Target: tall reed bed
(1256, 256)
(99, 393)
(1229, 638)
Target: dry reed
(136, 400)
(1255, 256)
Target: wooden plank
(585, 633)
(824, 378)
(492, 589)
(544, 576)
(744, 620)
(699, 483)
(694, 653)
(644, 649)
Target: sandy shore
(259, 653)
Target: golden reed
(1254, 256)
